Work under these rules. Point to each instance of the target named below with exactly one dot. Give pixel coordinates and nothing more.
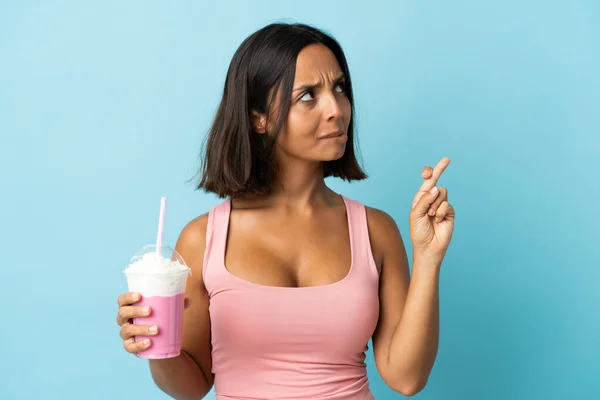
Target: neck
(299, 184)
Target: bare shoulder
(383, 233)
(383, 229)
(192, 241)
(380, 220)
(194, 230)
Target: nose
(333, 109)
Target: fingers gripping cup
(159, 274)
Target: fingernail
(153, 329)
(433, 190)
(431, 212)
(146, 342)
(146, 310)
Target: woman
(289, 279)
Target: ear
(259, 122)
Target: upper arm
(196, 319)
(390, 254)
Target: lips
(333, 135)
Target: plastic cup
(161, 280)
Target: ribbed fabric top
(271, 342)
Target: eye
(305, 97)
(340, 87)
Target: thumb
(426, 201)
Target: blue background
(103, 108)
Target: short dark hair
(237, 160)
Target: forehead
(316, 62)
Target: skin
(304, 241)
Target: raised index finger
(435, 176)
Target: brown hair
(237, 160)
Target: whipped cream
(154, 263)
(154, 275)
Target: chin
(335, 156)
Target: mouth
(334, 134)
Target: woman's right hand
(128, 311)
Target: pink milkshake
(160, 274)
(161, 282)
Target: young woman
(289, 279)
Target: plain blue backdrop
(104, 106)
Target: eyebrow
(314, 85)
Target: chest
(275, 249)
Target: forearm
(180, 377)
(414, 344)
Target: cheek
(300, 128)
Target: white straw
(161, 224)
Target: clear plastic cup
(161, 281)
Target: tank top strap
(359, 236)
(216, 238)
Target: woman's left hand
(432, 216)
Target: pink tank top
(271, 342)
